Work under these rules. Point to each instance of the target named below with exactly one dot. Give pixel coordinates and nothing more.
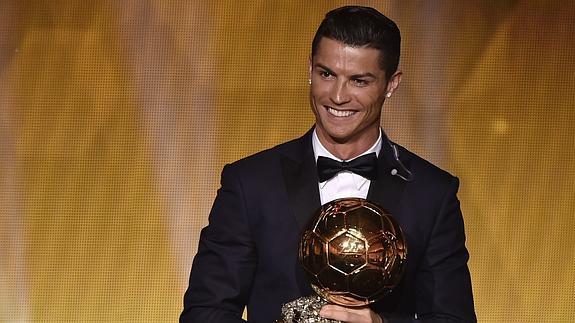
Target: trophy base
(304, 310)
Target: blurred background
(116, 118)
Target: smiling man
(247, 255)
(348, 88)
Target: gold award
(353, 253)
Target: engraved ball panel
(347, 253)
(332, 280)
(399, 242)
(368, 282)
(381, 251)
(313, 253)
(365, 220)
(389, 224)
(330, 224)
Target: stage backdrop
(116, 118)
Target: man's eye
(325, 74)
(360, 82)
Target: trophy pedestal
(304, 310)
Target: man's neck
(345, 151)
(348, 150)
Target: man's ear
(393, 82)
(309, 67)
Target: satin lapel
(387, 189)
(300, 175)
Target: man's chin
(340, 137)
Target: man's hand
(350, 315)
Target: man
(247, 254)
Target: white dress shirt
(344, 184)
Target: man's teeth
(339, 113)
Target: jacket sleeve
(223, 268)
(443, 283)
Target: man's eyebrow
(355, 76)
(325, 68)
(368, 74)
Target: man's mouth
(340, 113)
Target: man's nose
(340, 93)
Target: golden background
(116, 118)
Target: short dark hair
(362, 26)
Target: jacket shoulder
(294, 148)
(268, 158)
(422, 169)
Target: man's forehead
(336, 54)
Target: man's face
(348, 88)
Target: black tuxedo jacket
(247, 255)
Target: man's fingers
(350, 315)
(335, 312)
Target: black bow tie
(365, 166)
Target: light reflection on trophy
(353, 253)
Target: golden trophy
(353, 253)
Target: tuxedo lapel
(301, 181)
(300, 176)
(387, 189)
